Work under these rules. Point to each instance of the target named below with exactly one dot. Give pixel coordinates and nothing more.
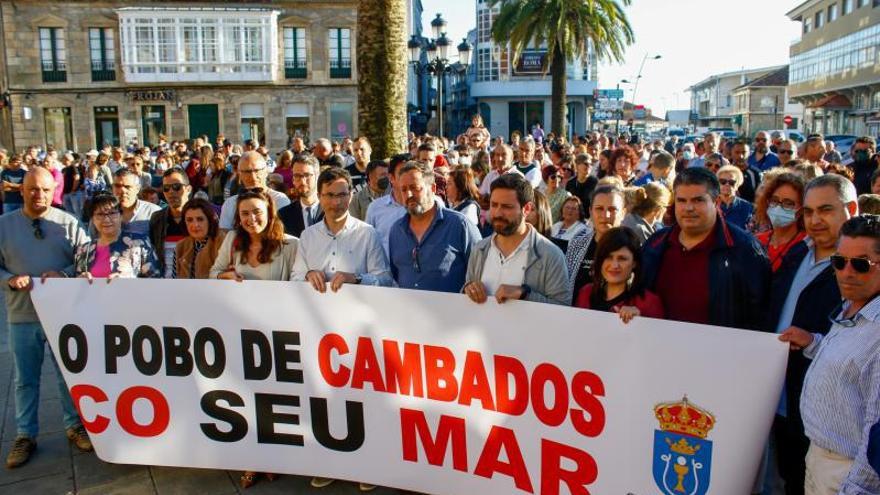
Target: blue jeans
(28, 342)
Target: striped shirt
(841, 397)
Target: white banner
(421, 391)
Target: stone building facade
(81, 74)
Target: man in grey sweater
(35, 241)
(516, 262)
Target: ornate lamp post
(437, 50)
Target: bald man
(252, 174)
(35, 241)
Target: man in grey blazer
(516, 262)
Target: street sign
(606, 104)
(611, 94)
(787, 120)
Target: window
(295, 62)
(832, 12)
(297, 120)
(847, 7)
(487, 65)
(103, 54)
(153, 122)
(856, 51)
(862, 3)
(106, 126)
(168, 45)
(53, 55)
(253, 125)
(340, 53)
(341, 118)
(808, 25)
(59, 131)
(820, 19)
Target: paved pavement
(57, 467)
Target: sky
(695, 39)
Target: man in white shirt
(527, 165)
(252, 172)
(340, 249)
(516, 262)
(502, 163)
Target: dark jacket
(292, 218)
(816, 301)
(158, 232)
(739, 275)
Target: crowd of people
(765, 235)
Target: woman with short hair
(780, 205)
(463, 195)
(110, 254)
(556, 193)
(572, 223)
(736, 210)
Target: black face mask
(861, 155)
(384, 182)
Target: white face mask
(781, 217)
(688, 155)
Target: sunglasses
(38, 231)
(784, 152)
(760, 140)
(860, 265)
(173, 187)
(727, 182)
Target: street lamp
(437, 50)
(619, 111)
(639, 76)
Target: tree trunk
(558, 100)
(382, 75)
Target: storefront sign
(531, 63)
(159, 95)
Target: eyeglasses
(415, 260)
(303, 176)
(784, 152)
(177, 187)
(844, 322)
(38, 232)
(727, 182)
(785, 203)
(861, 265)
(109, 215)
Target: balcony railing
(340, 69)
(295, 69)
(52, 76)
(103, 75)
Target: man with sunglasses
(804, 292)
(37, 240)
(167, 226)
(786, 150)
(762, 158)
(841, 398)
(429, 247)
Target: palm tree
(566, 26)
(382, 74)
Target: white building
(515, 97)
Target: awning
(832, 101)
(873, 119)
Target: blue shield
(682, 464)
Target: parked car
(796, 136)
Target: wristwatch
(526, 290)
